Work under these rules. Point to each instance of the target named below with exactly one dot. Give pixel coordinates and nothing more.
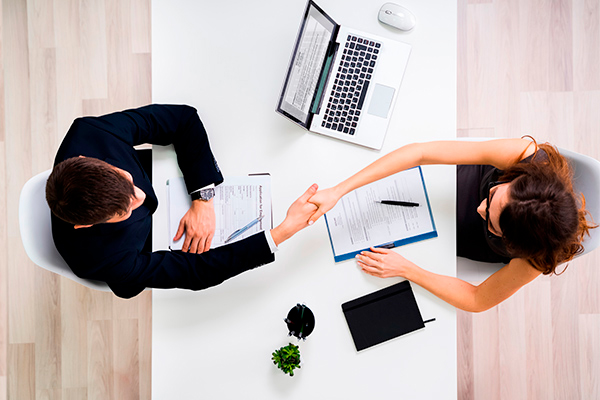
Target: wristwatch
(203, 194)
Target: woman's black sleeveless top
(471, 232)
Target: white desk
(216, 344)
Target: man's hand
(198, 224)
(297, 217)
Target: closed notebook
(383, 315)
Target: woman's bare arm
(500, 153)
(501, 285)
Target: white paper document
(358, 222)
(237, 201)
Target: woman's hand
(324, 200)
(384, 263)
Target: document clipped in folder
(358, 221)
(383, 315)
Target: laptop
(342, 82)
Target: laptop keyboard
(351, 83)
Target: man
(102, 201)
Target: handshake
(303, 212)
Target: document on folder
(358, 221)
(238, 201)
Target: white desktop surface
(229, 59)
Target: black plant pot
(300, 321)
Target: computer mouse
(397, 16)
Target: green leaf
(287, 358)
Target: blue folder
(395, 243)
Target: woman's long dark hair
(544, 220)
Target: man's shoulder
(93, 253)
(89, 137)
(88, 124)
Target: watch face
(207, 194)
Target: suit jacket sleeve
(155, 124)
(175, 269)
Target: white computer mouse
(397, 16)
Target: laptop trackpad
(381, 100)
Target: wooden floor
(533, 68)
(62, 59)
(525, 67)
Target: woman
(515, 203)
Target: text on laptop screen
(306, 65)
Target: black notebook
(383, 315)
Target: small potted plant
(300, 322)
(287, 358)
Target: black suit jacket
(113, 252)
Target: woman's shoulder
(523, 267)
(537, 155)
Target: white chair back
(36, 231)
(586, 180)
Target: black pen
(398, 203)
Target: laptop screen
(303, 81)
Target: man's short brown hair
(87, 191)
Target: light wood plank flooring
(61, 59)
(532, 68)
(525, 67)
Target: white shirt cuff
(211, 186)
(271, 242)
